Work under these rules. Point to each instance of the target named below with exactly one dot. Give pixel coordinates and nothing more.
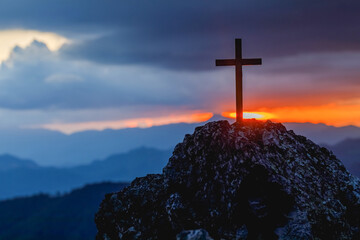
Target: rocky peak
(241, 181)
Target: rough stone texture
(198, 234)
(254, 180)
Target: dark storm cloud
(191, 38)
(191, 34)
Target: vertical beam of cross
(238, 62)
(238, 80)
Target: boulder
(253, 180)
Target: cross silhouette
(238, 62)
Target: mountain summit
(253, 180)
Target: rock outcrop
(254, 180)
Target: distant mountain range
(67, 217)
(50, 148)
(343, 141)
(8, 162)
(324, 134)
(348, 151)
(70, 216)
(23, 177)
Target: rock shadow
(261, 205)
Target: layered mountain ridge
(19, 177)
(51, 148)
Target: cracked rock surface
(253, 180)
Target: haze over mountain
(51, 148)
(20, 177)
(27, 178)
(8, 162)
(323, 134)
(348, 151)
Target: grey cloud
(191, 34)
(148, 51)
(36, 78)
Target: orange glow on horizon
(337, 115)
(250, 115)
(69, 128)
(331, 114)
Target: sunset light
(69, 128)
(250, 115)
(330, 114)
(23, 38)
(179, 119)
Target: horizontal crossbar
(251, 61)
(225, 62)
(232, 62)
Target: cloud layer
(188, 34)
(36, 78)
(140, 56)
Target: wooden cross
(238, 62)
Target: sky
(74, 65)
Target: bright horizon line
(197, 117)
(191, 117)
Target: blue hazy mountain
(348, 151)
(25, 179)
(50, 148)
(324, 134)
(56, 149)
(8, 162)
(66, 217)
